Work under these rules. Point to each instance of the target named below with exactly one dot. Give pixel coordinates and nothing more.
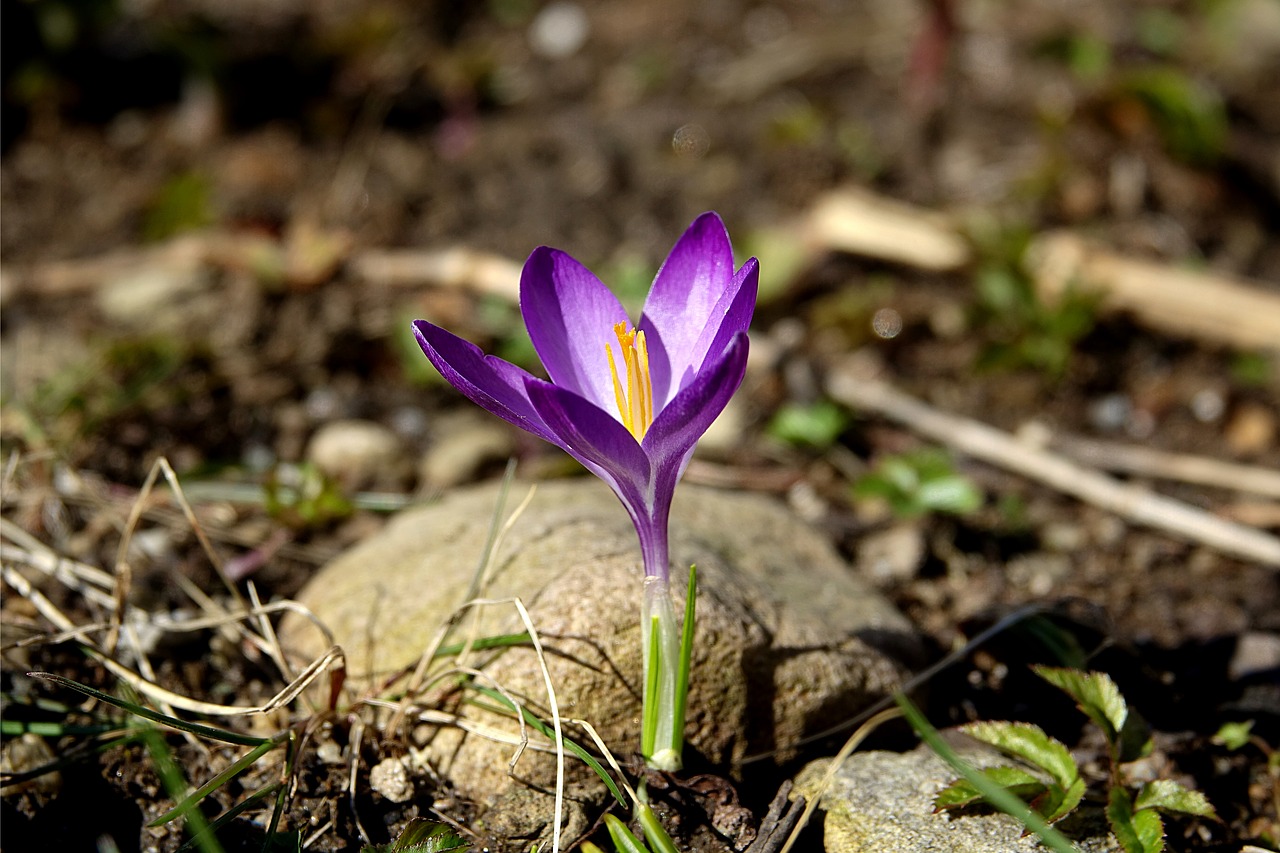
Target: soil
(313, 132)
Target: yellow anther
(635, 399)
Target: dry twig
(999, 448)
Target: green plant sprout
(817, 425)
(1136, 821)
(301, 496)
(1237, 735)
(918, 483)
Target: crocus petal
(683, 297)
(732, 316)
(593, 437)
(679, 426)
(570, 315)
(486, 380)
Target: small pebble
(389, 778)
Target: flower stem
(668, 650)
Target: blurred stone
(1256, 652)
(1251, 430)
(892, 556)
(789, 639)
(725, 435)
(357, 453)
(560, 29)
(882, 802)
(464, 444)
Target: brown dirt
(348, 127)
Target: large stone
(882, 802)
(789, 640)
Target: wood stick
(999, 448)
(1181, 467)
(1179, 301)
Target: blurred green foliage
(182, 204)
(918, 483)
(1022, 330)
(1189, 113)
(815, 425)
(301, 496)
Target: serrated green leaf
(1170, 796)
(1150, 830)
(1095, 694)
(1120, 816)
(1057, 802)
(1030, 743)
(423, 836)
(962, 792)
(1135, 738)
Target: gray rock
(789, 639)
(882, 802)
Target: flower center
(635, 393)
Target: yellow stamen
(635, 400)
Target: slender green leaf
(1015, 780)
(623, 839)
(1030, 743)
(175, 785)
(233, 812)
(1095, 694)
(1170, 796)
(686, 658)
(588, 847)
(653, 830)
(198, 796)
(147, 714)
(482, 643)
(653, 666)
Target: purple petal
(591, 435)
(684, 295)
(679, 426)
(732, 315)
(486, 380)
(605, 447)
(570, 315)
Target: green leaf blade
(1169, 796)
(962, 792)
(1095, 694)
(1029, 743)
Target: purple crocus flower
(627, 402)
